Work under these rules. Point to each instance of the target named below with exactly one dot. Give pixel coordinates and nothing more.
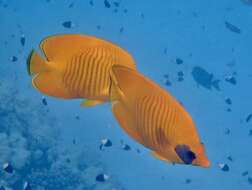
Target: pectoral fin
(158, 156)
(88, 103)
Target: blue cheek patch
(185, 154)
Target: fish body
(204, 78)
(154, 118)
(76, 66)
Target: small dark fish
(121, 29)
(250, 180)
(22, 40)
(188, 181)
(245, 173)
(126, 147)
(230, 158)
(8, 168)
(105, 143)
(167, 82)
(67, 24)
(27, 186)
(223, 167)
(44, 101)
(248, 118)
(179, 61)
(125, 11)
(205, 79)
(185, 154)
(228, 101)
(2, 188)
(91, 2)
(231, 80)
(13, 58)
(102, 177)
(107, 4)
(232, 27)
(77, 117)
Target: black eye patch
(185, 154)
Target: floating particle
(250, 132)
(232, 27)
(142, 15)
(71, 5)
(105, 143)
(44, 101)
(231, 79)
(228, 101)
(74, 141)
(168, 82)
(26, 186)
(245, 173)
(229, 110)
(125, 11)
(68, 160)
(247, 2)
(116, 4)
(223, 167)
(13, 58)
(22, 40)
(98, 27)
(107, 4)
(230, 158)
(91, 3)
(138, 151)
(188, 181)
(179, 61)
(8, 168)
(102, 177)
(180, 74)
(204, 78)
(166, 76)
(250, 180)
(67, 24)
(248, 118)
(115, 10)
(121, 29)
(165, 50)
(77, 117)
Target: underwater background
(200, 51)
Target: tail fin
(216, 84)
(36, 64)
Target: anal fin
(125, 120)
(88, 103)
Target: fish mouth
(203, 162)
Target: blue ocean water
(200, 51)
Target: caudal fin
(36, 64)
